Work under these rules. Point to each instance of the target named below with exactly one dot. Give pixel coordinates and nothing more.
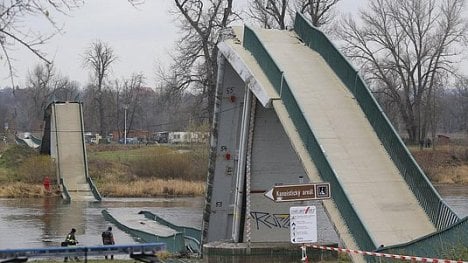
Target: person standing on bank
(108, 239)
(70, 240)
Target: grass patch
(34, 169)
(152, 188)
(446, 164)
(459, 252)
(25, 190)
(149, 162)
(125, 154)
(165, 170)
(145, 171)
(118, 171)
(19, 163)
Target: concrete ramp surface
(301, 110)
(380, 195)
(67, 146)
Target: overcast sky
(141, 38)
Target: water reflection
(30, 223)
(456, 197)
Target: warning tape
(385, 255)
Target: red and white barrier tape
(385, 255)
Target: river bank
(117, 171)
(139, 188)
(167, 171)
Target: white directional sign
(303, 224)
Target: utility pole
(125, 123)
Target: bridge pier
(252, 153)
(277, 252)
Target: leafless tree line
(407, 50)
(13, 32)
(280, 14)
(202, 24)
(146, 108)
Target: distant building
(443, 139)
(160, 137)
(140, 135)
(188, 137)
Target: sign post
(299, 192)
(303, 224)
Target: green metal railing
(94, 189)
(89, 180)
(275, 75)
(192, 235)
(440, 214)
(65, 194)
(174, 243)
(441, 244)
(36, 140)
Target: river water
(35, 223)
(456, 197)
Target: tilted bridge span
(291, 109)
(64, 140)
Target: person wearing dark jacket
(108, 239)
(70, 240)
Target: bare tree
(407, 46)
(132, 96)
(280, 13)
(320, 12)
(461, 102)
(13, 30)
(195, 64)
(65, 90)
(270, 13)
(39, 88)
(99, 58)
(43, 85)
(455, 107)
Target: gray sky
(141, 38)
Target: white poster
(303, 224)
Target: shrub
(14, 155)
(152, 187)
(445, 164)
(163, 166)
(459, 252)
(183, 164)
(35, 168)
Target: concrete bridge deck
(380, 196)
(70, 152)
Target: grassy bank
(156, 170)
(447, 164)
(146, 171)
(117, 170)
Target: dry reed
(151, 188)
(447, 164)
(24, 190)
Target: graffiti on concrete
(268, 220)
